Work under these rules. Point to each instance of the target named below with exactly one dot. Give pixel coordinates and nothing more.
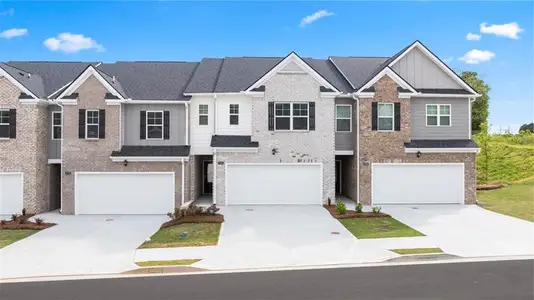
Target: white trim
(292, 57)
(215, 115)
(437, 61)
(344, 152)
(388, 71)
(90, 70)
(183, 183)
(15, 82)
(236, 149)
(40, 102)
(214, 184)
(291, 117)
(470, 103)
(54, 161)
(385, 117)
(230, 114)
(187, 124)
(149, 158)
(358, 151)
(249, 93)
(349, 118)
(276, 164)
(442, 150)
(343, 74)
(132, 101)
(154, 125)
(438, 115)
(98, 124)
(326, 95)
(60, 125)
(50, 96)
(113, 101)
(67, 101)
(120, 126)
(7, 124)
(443, 95)
(203, 114)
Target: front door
(207, 175)
(338, 176)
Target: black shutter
(81, 124)
(142, 130)
(12, 123)
(374, 116)
(271, 116)
(312, 115)
(166, 123)
(397, 116)
(102, 124)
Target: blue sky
(188, 31)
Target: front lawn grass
(158, 263)
(516, 200)
(9, 236)
(374, 228)
(198, 234)
(417, 251)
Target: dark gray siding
(54, 146)
(131, 128)
(346, 140)
(459, 128)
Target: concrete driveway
(79, 245)
(468, 230)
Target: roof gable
(390, 73)
(29, 84)
(88, 72)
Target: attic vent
(113, 79)
(29, 76)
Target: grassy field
(516, 200)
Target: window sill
(4, 139)
(92, 140)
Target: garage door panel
(274, 184)
(124, 193)
(11, 193)
(418, 183)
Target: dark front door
(338, 177)
(207, 175)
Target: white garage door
(11, 193)
(124, 193)
(286, 184)
(418, 183)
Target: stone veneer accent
(388, 147)
(80, 155)
(316, 146)
(27, 153)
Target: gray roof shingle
(358, 70)
(233, 141)
(33, 82)
(239, 73)
(152, 151)
(441, 144)
(205, 76)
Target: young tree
(482, 139)
(480, 109)
(527, 127)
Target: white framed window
(203, 114)
(4, 123)
(344, 118)
(386, 116)
(438, 115)
(154, 125)
(291, 116)
(92, 124)
(234, 114)
(56, 125)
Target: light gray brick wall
(317, 145)
(27, 153)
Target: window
(56, 125)
(91, 124)
(385, 116)
(234, 114)
(438, 115)
(291, 116)
(154, 125)
(4, 123)
(202, 114)
(343, 118)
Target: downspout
(60, 155)
(215, 113)
(214, 176)
(187, 124)
(357, 144)
(183, 181)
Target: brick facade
(27, 153)
(388, 147)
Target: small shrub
(341, 207)
(39, 221)
(377, 209)
(359, 208)
(329, 201)
(14, 217)
(170, 215)
(24, 211)
(2, 222)
(212, 210)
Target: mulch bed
(349, 214)
(26, 225)
(218, 218)
(488, 187)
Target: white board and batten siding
(11, 193)
(109, 193)
(274, 184)
(417, 183)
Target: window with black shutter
(154, 125)
(5, 124)
(397, 116)
(81, 124)
(142, 122)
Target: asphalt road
(483, 280)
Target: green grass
(9, 236)
(373, 228)
(204, 234)
(157, 263)
(516, 200)
(417, 251)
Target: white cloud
(448, 60)
(314, 17)
(13, 32)
(476, 56)
(473, 37)
(72, 43)
(8, 12)
(510, 30)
